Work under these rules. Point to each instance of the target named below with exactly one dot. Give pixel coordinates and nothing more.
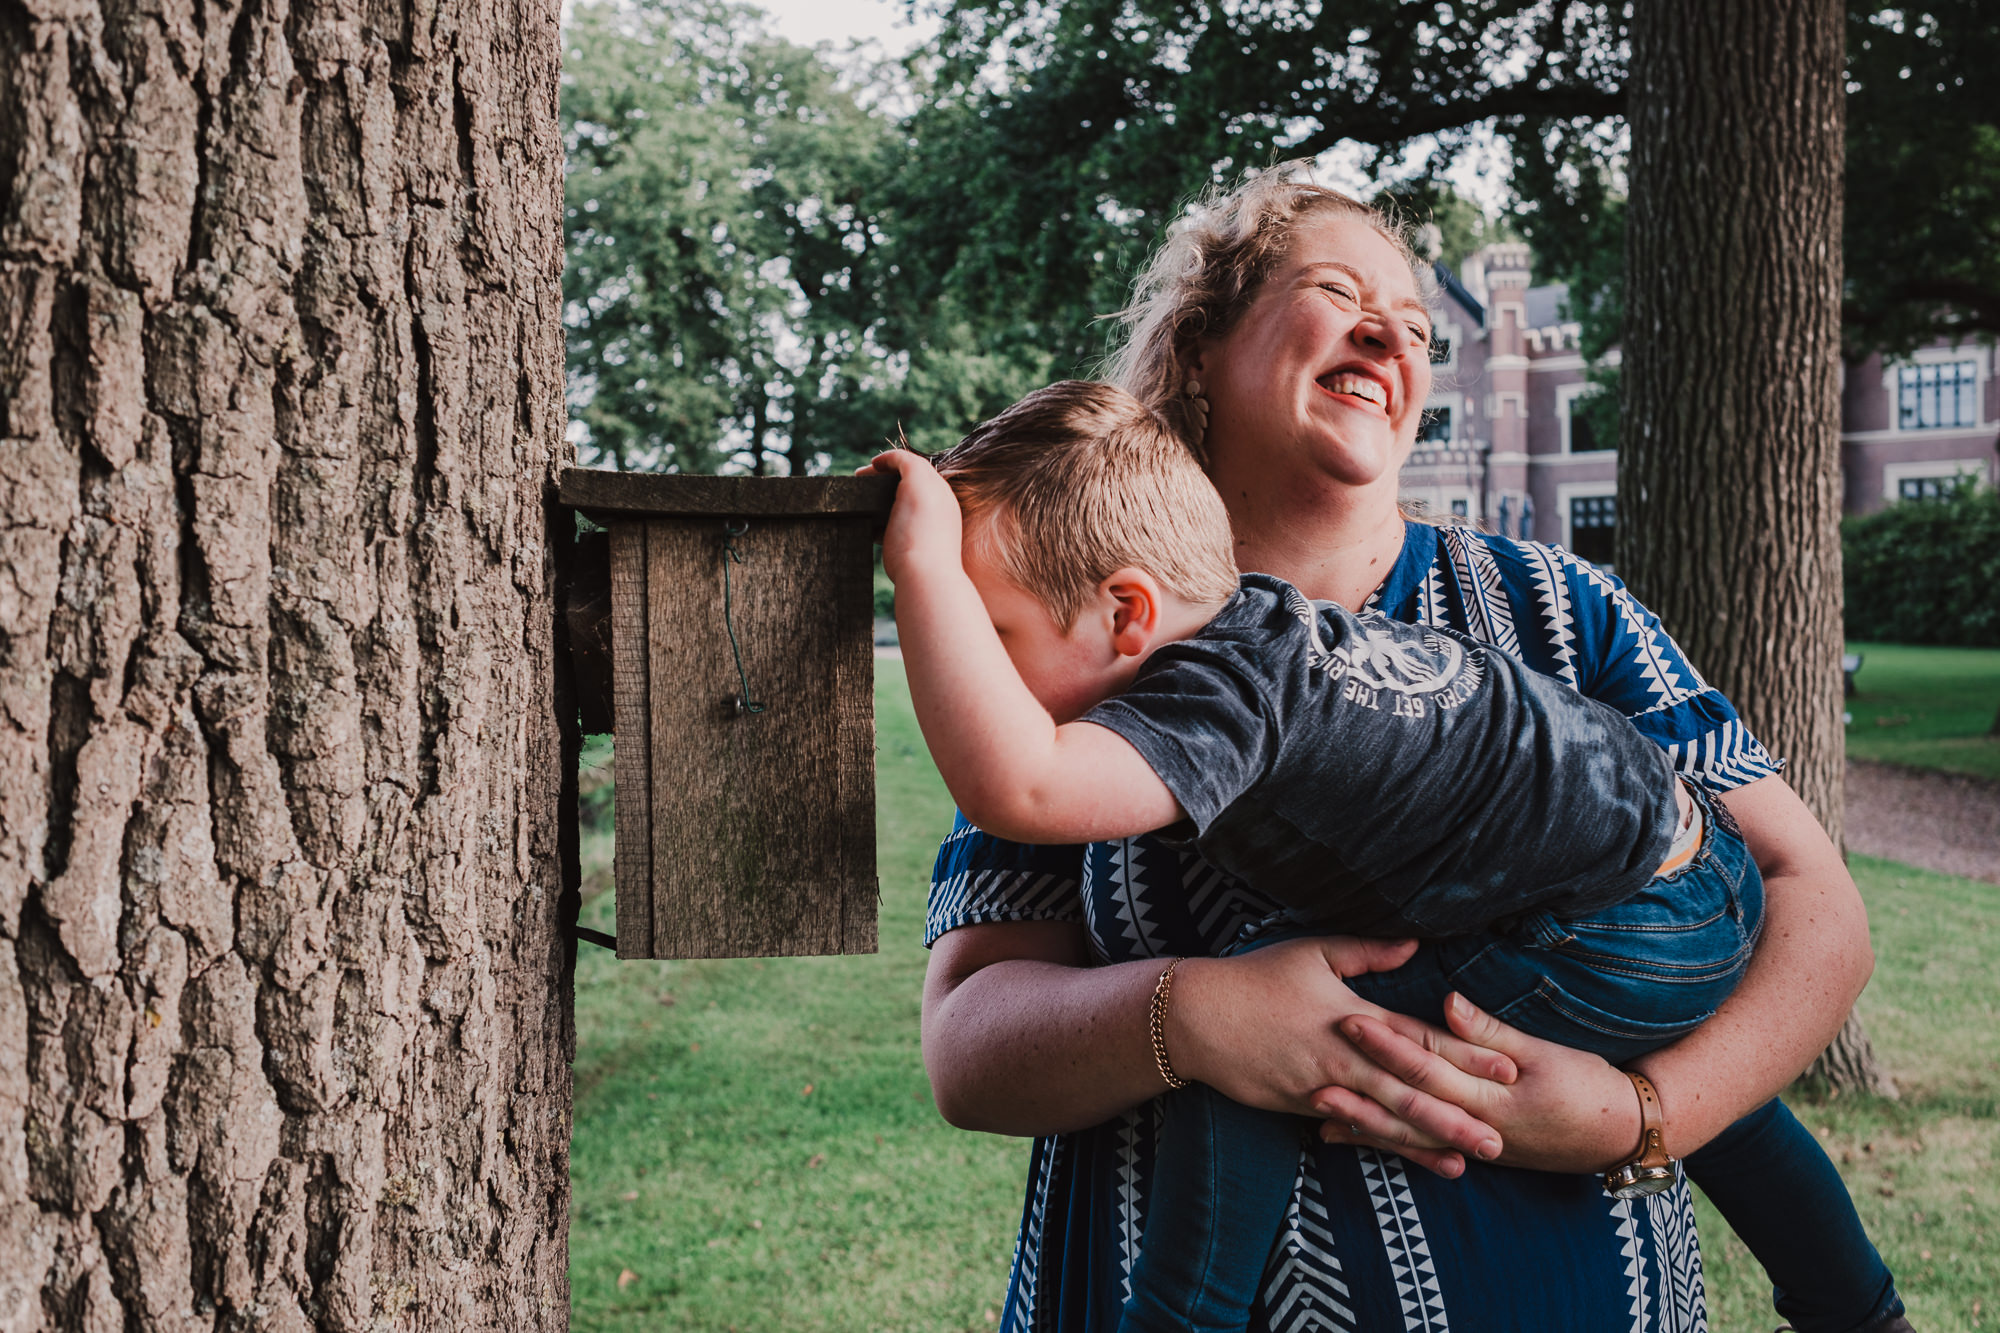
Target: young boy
(1086, 665)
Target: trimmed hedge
(1926, 571)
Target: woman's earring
(1198, 410)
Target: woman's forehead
(1351, 244)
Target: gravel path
(1933, 820)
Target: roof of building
(1457, 292)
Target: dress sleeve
(1624, 657)
(979, 879)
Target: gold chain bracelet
(1163, 993)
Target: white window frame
(1566, 396)
(1982, 359)
(1895, 474)
(1577, 490)
(1447, 402)
(1455, 335)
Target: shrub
(1926, 571)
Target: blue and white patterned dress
(1372, 1244)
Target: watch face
(1636, 1182)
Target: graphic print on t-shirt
(1376, 660)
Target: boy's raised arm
(1012, 770)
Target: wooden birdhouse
(742, 701)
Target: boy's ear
(1136, 600)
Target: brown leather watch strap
(1652, 1124)
(1649, 1170)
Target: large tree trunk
(1729, 466)
(284, 1000)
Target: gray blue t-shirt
(1389, 779)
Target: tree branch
(1509, 103)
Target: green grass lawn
(756, 1149)
(1927, 707)
(755, 1141)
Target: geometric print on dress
(1220, 905)
(1552, 596)
(977, 897)
(1303, 1288)
(1118, 876)
(1132, 1125)
(1660, 664)
(1634, 1254)
(1683, 1300)
(1403, 1240)
(1489, 617)
(1723, 759)
(1027, 1267)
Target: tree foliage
(1923, 173)
(1924, 571)
(767, 269)
(723, 294)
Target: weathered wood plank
(854, 703)
(632, 814)
(762, 823)
(611, 493)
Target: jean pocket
(1684, 930)
(1555, 1014)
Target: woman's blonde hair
(1208, 271)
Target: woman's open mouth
(1356, 386)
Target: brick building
(1503, 446)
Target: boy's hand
(925, 526)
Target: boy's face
(1068, 672)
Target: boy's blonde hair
(1080, 480)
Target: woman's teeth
(1358, 385)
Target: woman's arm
(1570, 1111)
(1008, 765)
(1020, 1037)
(1808, 970)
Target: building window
(1593, 527)
(1458, 508)
(1582, 440)
(1440, 351)
(1937, 397)
(1435, 427)
(1927, 488)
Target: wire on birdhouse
(730, 532)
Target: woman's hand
(1266, 1029)
(1568, 1110)
(1023, 1036)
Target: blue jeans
(1621, 983)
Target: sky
(809, 22)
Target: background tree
(723, 294)
(284, 999)
(1729, 468)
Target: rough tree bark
(1729, 464)
(284, 1000)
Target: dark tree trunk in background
(284, 1001)
(1729, 485)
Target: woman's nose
(1385, 331)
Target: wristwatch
(1650, 1169)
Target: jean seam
(1687, 976)
(1550, 996)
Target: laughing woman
(1282, 331)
